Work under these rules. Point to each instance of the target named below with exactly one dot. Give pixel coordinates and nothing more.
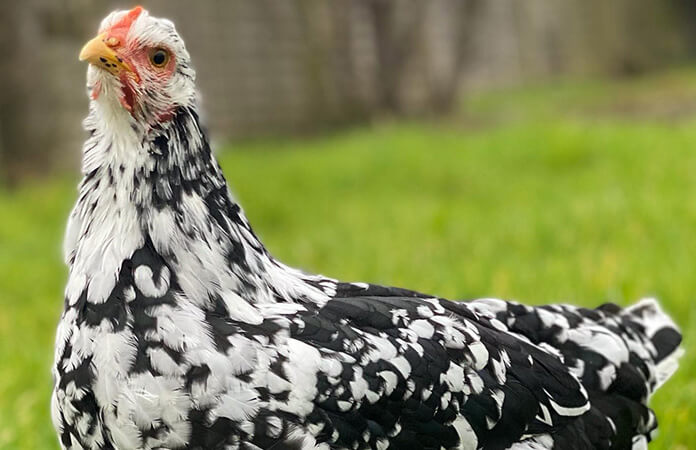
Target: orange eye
(159, 57)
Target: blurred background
(536, 150)
(288, 67)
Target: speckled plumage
(180, 330)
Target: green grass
(576, 192)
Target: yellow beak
(99, 53)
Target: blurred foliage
(577, 192)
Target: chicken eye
(159, 57)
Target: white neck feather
(162, 187)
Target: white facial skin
(158, 78)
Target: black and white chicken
(180, 330)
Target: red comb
(127, 20)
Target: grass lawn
(573, 192)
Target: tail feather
(621, 356)
(664, 335)
(666, 368)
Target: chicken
(180, 330)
